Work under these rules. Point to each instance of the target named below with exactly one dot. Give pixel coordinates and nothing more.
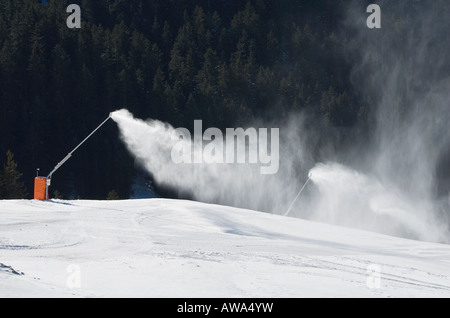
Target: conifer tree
(112, 195)
(10, 185)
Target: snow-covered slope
(173, 248)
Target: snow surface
(176, 248)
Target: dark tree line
(221, 61)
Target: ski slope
(175, 248)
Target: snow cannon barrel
(41, 184)
(40, 189)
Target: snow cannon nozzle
(310, 175)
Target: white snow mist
(404, 69)
(239, 184)
(389, 185)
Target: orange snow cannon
(41, 184)
(40, 188)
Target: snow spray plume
(404, 67)
(239, 185)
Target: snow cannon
(41, 184)
(40, 188)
